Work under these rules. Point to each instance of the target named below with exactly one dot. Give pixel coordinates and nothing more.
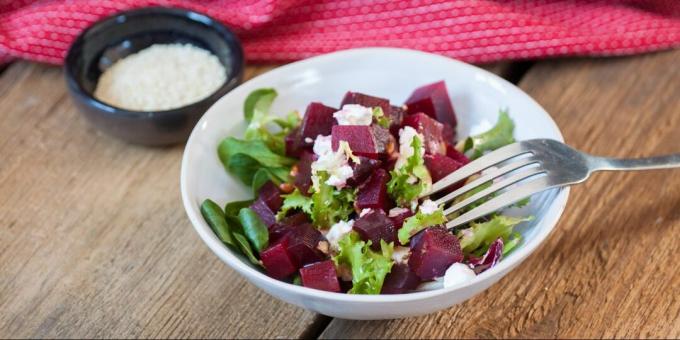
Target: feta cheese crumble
(337, 232)
(428, 207)
(365, 212)
(406, 135)
(401, 254)
(458, 273)
(336, 164)
(353, 114)
(394, 212)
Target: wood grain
(95, 242)
(609, 269)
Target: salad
(336, 193)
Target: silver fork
(534, 166)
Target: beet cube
(432, 131)
(440, 166)
(396, 115)
(271, 195)
(282, 228)
(265, 213)
(362, 170)
(373, 193)
(359, 137)
(318, 120)
(398, 219)
(277, 261)
(320, 275)
(456, 155)
(366, 100)
(433, 100)
(375, 226)
(303, 177)
(294, 144)
(401, 279)
(303, 240)
(433, 252)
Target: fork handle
(648, 163)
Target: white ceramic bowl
(392, 73)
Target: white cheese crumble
(365, 212)
(336, 164)
(161, 77)
(353, 114)
(428, 207)
(401, 254)
(458, 273)
(406, 135)
(337, 232)
(394, 212)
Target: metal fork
(534, 166)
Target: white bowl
(392, 73)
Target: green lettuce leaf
(418, 222)
(500, 135)
(244, 158)
(399, 187)
(477, 238)
(295, 200)
(368, 267)
(330, 205)
(256, 112)
(380, 118)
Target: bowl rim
(112, 20)
(216, 246)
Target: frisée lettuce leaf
(411, 179)
(477, 238)
(368, 267)
(418, 222)
(500, 135)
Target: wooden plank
(609, 268)
(95, 241)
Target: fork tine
(493, 188)
(482, 163)
(503, 200)
(485, 178)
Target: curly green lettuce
(368, 267)
(410, 180)
(500, 135)
(418, 222)
(476, 239)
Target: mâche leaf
(254, 229)
(214, 216)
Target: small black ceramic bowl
(125, 33)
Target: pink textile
(284, 30)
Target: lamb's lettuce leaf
(368, 267)
(243, 158)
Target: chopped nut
(344, 272)
(286, 188)
(323, 246)
(294, 171)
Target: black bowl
(118, 36)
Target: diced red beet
(318, 120)
(359, 137)
(490, 258)
(265, 213)
(320, 275)
(401, 279)
(277, 261)
(362, 170)
(440, 166)
(433, 253)
(294, 145)
(303, 240)
(433, 99)
(375, 226)
(367, 101)
(432, 131)
(271, 195)
(384, 141)
(281, 228)
(373, 193)
(398, 220)
(449, 134)
(303, 177)
(451, 152)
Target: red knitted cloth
(283, 30)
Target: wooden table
(94, 241)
